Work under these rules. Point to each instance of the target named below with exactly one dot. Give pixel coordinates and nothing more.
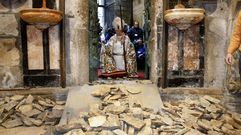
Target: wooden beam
(164, 47)
(62, 46)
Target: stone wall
(10, 43)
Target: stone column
(154, 50)
(79, 52)
(215, 47)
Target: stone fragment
(75, 132)
(183, 131)
(229, 120)
(20, 103)
(136, 123)
(43, 116)
(1, 103)
(25, 120)
(55, 114)
(29, 99)
(119, 132)
(17, 97)
(193, 132)
(216, 123)
(204, 124)
(43, 103)
(24, 109)
(167, 120)
(211, 99)
(237, 118)
(113, 122)
(36, 122)
(60, 102)
(204, 103)
(106, 132)
(10, 105)
(214, 133)
(97, 121)
(33, 112)
(12, 123)
(58, 107)
(133, 90)
(146, 130)
(101, 91)
(115, 97)
(39, 107)
(114, 109)
(6, 115)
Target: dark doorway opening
(132, 11)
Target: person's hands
(229, 59)
(139, 41)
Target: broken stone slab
(12, 123)
(213, 109)
(193, 132)
(115, 97)
(105, 132)
(1, 103)
(167, 120)
(183, 131)
(228, 119)
(94, 110)
(43, 116)
(214, 133)
(36, 122)
(58, 107)
(146, 130)
(204, 124)
(97, 121)
(114, 109)
(211, 99)
(236, 117)
(133, 90)
(113, 122)
(33, 112)
(75, 132)
(55, 114)
(17, 97)
(20, 103)
(119, 132)
(29, 99)
(10, 105)
(101, 91)
(203, 102)
(60, 102)
(49, 101)
(25, 120)
(25, 109)
(135, 122)
(5, 116)
(39, 107)
(216, 123)
(43, 103)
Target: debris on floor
(121, 115)
(20, 110)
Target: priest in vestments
(118, 57)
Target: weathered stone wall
(77, 38)
(10, 43)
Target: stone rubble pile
(20, 110)
(121, 114)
